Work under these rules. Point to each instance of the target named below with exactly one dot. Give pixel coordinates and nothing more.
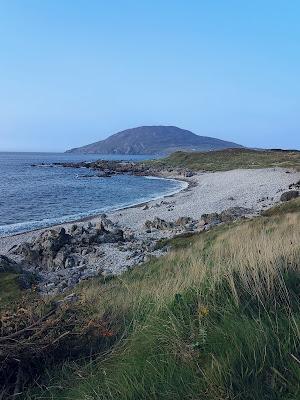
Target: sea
(33, 197)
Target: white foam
(21, 227)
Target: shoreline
(249, 191)
(184, 205)
(185, 184)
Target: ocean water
(37, 197)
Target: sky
(73, 71)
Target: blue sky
(73, 72)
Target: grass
(293, 206)
(217, 318)
(9, 289)
(224, 160)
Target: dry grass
(217, 319)
(258, 251)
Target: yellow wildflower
(203, 311)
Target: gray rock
(292, 194)
(70, 262)
(233, 213)
(159, 224)
(183, 221)
(212, 218)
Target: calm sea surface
(36, 197)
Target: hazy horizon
(74, 73)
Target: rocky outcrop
(108, 168)
(228, 215)
(295, 185)
(63, 257)
(212, 218)
(292, 194)
(189, 224)
(159, 224)
(58, 249)
(233, 213)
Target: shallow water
(37, 197)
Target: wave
(22, 227)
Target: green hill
(153, 140)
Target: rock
(53, 240)
(9, 265)
(159, 224)
(211, 219)
(70, 262)
(113, 236)
(234, 213)
(60, 258)
(292, 194)
(146, 207)
(295, 185)
(200, 225)
(55, 249)
(183, 221)
(128, 234)
(73, 228)
(188, 173)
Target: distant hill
(154, 140)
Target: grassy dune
(224, 160)
(217, 318)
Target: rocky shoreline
(108, 168)
(57, 259)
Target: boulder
(200, 224)
(159, 224)
(188, 173)
(292, 194)
(211, 219)
(233, 213)
(183, 221)
(52, 241)
(70, 262)
(113, 236)
(295, 185)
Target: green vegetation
(9, 288)
(293, 206)
(224, 160)
(217, 318)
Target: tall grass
(217, 319)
